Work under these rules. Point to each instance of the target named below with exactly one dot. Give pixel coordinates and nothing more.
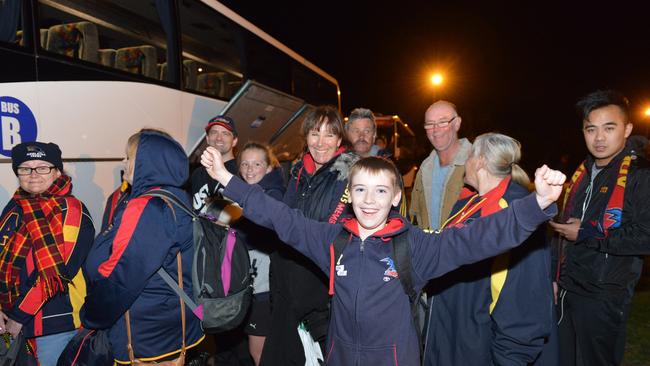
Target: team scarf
(39, 234)
(487, 204)
(612, 216)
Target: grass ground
(637, 346)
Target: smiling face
(606, 129)
(372, 196)
(322, 144)
(441, 124)
(221, 139)
(253, 165)
(35, 183)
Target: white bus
(86, 74)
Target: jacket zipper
(357, 337)
(603, 269)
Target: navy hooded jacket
(371, 321)
(145, 234)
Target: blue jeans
(49, 347)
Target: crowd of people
(470, 276)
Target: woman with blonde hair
(497, 311)
(146, 319)
(258, 165)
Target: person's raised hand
(548, 185)
(213, 162)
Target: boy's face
(372, 196)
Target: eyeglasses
(42, 170)
(442, 124)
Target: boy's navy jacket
(145, 234)
(462, 328)
(371, 322)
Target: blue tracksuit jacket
(371, 321)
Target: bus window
(125, 35)
(211, 57)
(11, 23)
(267, 64)
(312, 87)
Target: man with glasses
(439, 180)
(46, 234)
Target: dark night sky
(513, 68)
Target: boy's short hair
(375, 165)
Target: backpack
(221, 272)
(402, 261)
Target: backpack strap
(169, 196)
(402, 253)
(402, 260)
(336, 253)
(127, 317)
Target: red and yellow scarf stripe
(38, 242)
(613, 213)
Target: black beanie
(26, 151)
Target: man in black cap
(221, 134)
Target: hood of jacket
(273, 181)
(159, 161)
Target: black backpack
(402, 260)
(220, 263)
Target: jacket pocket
(379, 356)
(342, 353)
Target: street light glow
(647, 111)
(436, 79)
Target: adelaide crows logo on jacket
(390, 272)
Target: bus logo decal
(17, 124)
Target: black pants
(592, 331)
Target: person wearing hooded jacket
(144, 235)
(46, 235)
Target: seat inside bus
(138, 60)
(79, 40)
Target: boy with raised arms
(371, 322)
